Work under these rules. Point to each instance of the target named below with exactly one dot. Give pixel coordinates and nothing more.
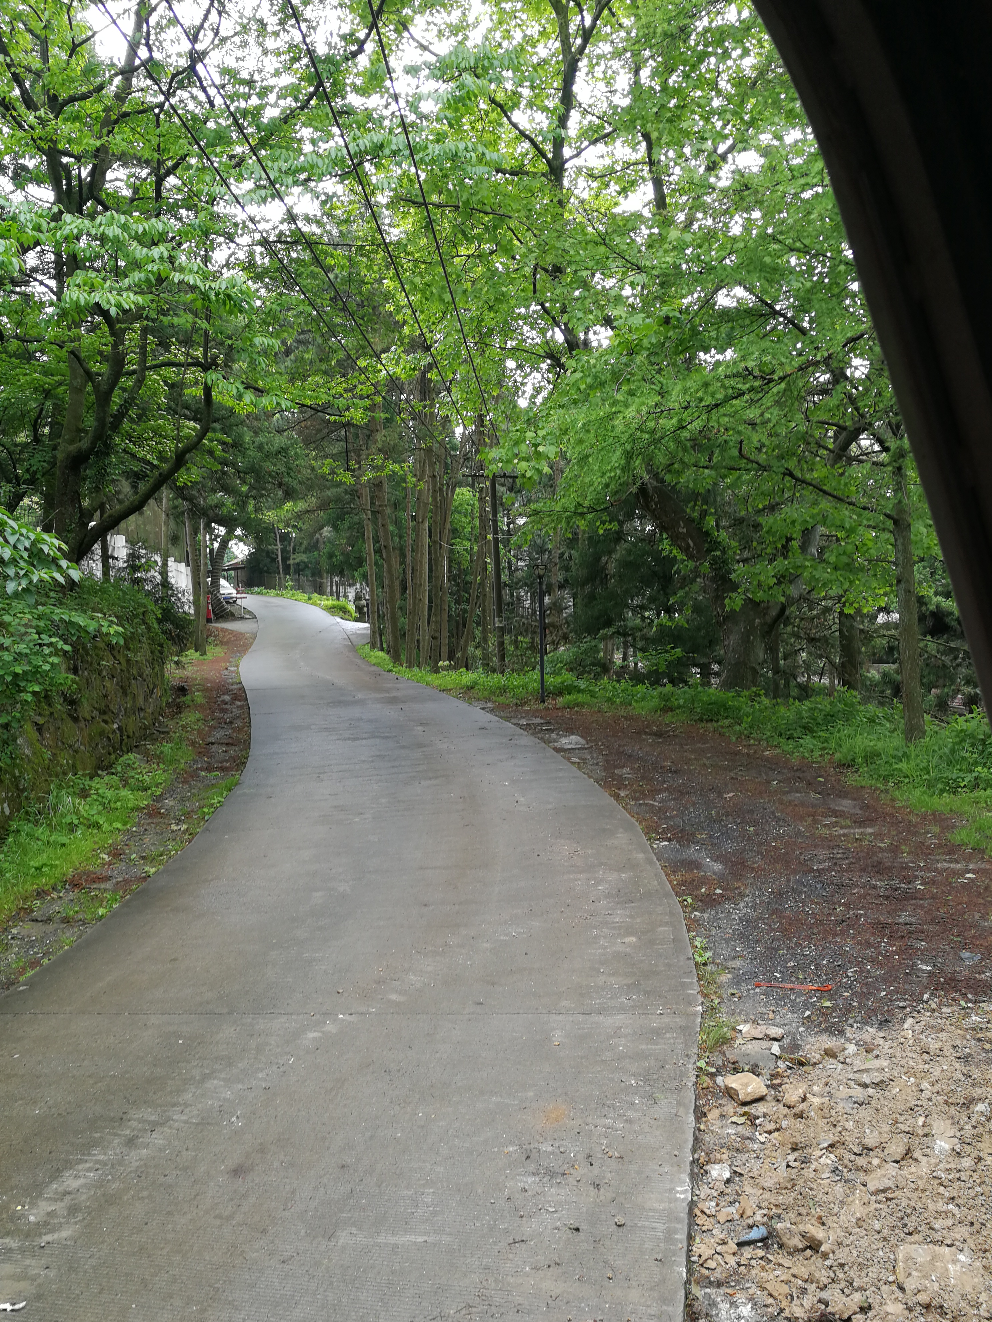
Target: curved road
(406, 1033)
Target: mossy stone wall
(118, 694)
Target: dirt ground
(863, 1173)
(58, 918)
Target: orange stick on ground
(794, 986)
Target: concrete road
(407, 1033)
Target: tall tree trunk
(363, 496)
(437, 519)
(204, 591)
(486, 597)
(849, 649)
(409, 549)
(194, 576)
(497, 578)
(446, 492)
(390, 569)
(280, 581)
(909, 634)
(478, 567)
(423, 573)
(414, 609)
(164, 566)
(104, 553)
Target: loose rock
(882, 1181)
(896, 1148)
(744, 1088)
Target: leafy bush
(332, 605)
(31, 559)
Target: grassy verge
(82, 817)
(343, 609)
(948, 771)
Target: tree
(118, 317)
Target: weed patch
(715, 1030)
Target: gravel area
(862, 1175)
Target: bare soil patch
(220, 749)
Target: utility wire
(427, 209)
(368, 201)
(266, 242)
(243, 134)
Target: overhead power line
(269, 247)
(242, 133)
(427, 209)
(370, 205)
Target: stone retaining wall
(119, 693)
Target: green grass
(343, 609)
(948, 771)
(73, 827)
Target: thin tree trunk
(485, 630)
(363, 495)
(204, 592)
(104, 551)
(280, 580)
(390, 569)
(437, 507)
(423, 571)
(409, 548)
(849, 649)
(478, 570)
(413, 608)
(497, 578)
(194, 576)
(909, 634)
(164, 567)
